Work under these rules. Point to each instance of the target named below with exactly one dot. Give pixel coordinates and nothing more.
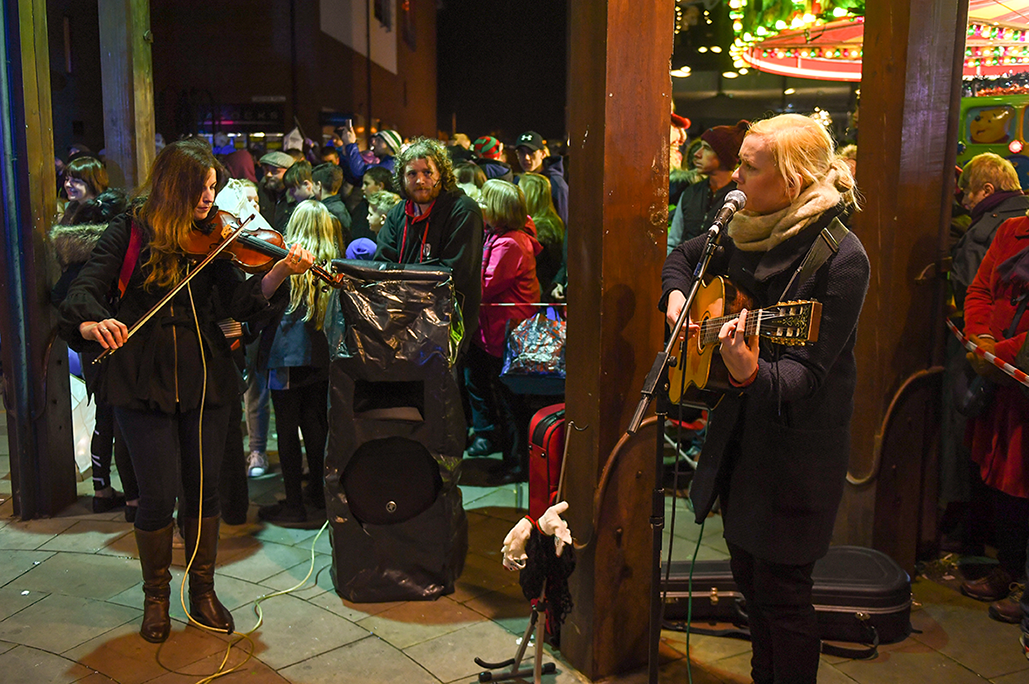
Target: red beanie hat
(726, 141)
(486, 147)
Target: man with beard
(271, 192)
(436, 224)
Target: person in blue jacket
(385, 145)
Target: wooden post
(619, 103)
(128, 89)
(35, 365)
(910, 90)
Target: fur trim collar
(74, 244)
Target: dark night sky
(502, 68)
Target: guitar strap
(825, 245)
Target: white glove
(514, 545)
(552, 525)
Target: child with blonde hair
(295, 355)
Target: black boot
(155, 555)
(204, 605)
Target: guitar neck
(790, 323)
(710, 328)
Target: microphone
(734, 201)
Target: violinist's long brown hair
(169, 197)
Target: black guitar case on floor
(861, 595)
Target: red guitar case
(546, 449)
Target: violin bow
(178, 288)
(971, 346)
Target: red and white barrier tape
(1003, 365)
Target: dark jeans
(481, 405)
(302, 409)
(166, 453)
(482, 378)
(783, 623)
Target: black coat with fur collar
(161, 368)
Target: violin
(253, 251)
(222, 235)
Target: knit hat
(486, 147)
(280, 159)
(392, 139)
(361, 248)
(726, 141)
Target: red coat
(997, 438)
(508, 276)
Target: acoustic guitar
(698, 377)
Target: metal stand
(537, 621)
(657, 513)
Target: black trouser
(166, 453)
(482, 377)
(1011, 530)
(107, 436)
(305, 409)
(783, 623)
(232, 485)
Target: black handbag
(973, 393)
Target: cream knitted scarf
(761, 232)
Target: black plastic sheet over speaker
(396, 435)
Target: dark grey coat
(968, 253)
(777, 452)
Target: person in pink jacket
(510, 291)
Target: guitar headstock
(791, 323)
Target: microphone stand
(657, 513)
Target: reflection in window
(383, 13)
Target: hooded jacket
(494, 168)
(453, 238)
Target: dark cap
(530, 139)
(726, 141)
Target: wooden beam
(35, 366)
(910, 90)
(128, 89)
(619, 100)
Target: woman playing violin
(172, 383)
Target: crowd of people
(171, 396)
(498, 221)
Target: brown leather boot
(204, 605)
(155, 555)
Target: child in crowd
(510, 291)
(295, 355)
(379, 204)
